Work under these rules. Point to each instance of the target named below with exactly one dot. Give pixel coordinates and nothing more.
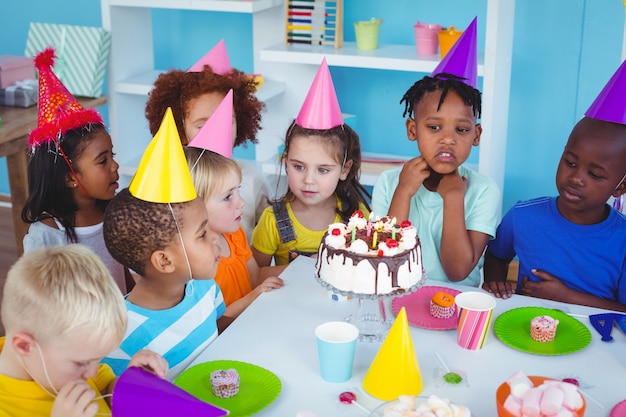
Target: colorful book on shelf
(314, 22)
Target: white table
(276, 332)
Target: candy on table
(449, 377)
(552, 398)
(348, 397)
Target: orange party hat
(320, 109)
(395, 370)
(216, 58)
(217, 133)
(58, 110)
(163, 175)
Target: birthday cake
(543, 328)
(407, 406)
(225, 383)
(370, 257)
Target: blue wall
(564, 52)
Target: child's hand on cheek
(75, 400)
(151, 362)
(451, 183)
(413, 174)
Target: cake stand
(372, 314)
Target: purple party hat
(610, 105)
(217, 133)
(216, 58)
(320, 109)
(139, 393)
(461, 59)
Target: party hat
(216, 58)
(58, 110)
(461, 59)
(320, 110)
(395, 370)
(163, 175)
(217, 133)
(610, 105)
(139, 393)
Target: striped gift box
(82, 54)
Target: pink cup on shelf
(427, 37)
(475, 312)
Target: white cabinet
(131, 73)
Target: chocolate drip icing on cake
(393, 263)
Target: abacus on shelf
(314, 22)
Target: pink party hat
(610, 105)
(139, 393)
(216, 58)
(320, 110)
(217, 133)
(461, 59)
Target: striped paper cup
(475, 311)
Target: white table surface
(276, 333)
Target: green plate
(258, 387)
(513, 329)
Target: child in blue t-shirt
(571, 248)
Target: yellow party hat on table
(163, 174)
(395, 370)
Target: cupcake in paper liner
(225, 383)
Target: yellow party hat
(395, 370)
(163, 174)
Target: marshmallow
(519, 384)
(531, 402)
(513, 405)
(551, 400)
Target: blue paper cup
(336, 342)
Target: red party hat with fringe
(610, 105)
(58, 110)
(461, 59)
(216, 58)
(217, 133)
(320, 109)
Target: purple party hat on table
(610, 105)
(139, 393)
(461, 59)
(217, 133)
(216, 58)
(320, 109)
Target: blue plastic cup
(336, 342)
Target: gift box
(15, 68)
(20, 94)
(82, 54)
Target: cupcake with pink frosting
(225, 383)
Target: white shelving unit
(296, 66)
(132, 73)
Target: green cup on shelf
(366, 33)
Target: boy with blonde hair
(62, 313)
